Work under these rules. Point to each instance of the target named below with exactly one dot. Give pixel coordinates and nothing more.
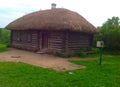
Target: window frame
(29, 37)
(18, 36)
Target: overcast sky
(95, 11)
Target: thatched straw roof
(53, 19)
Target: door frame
(41, 42)
(44, 44)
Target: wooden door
(44, 40)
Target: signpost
(100, 44)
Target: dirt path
(42, 60)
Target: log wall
(22, 41)
(56, 41)
(78, 40)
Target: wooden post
(100, 55)
(11, 37)
(40, 40)
(66, 42)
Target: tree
(4, 36)
(0, 32)
(110, 33)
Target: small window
(29, 36)
(18, 36)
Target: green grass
(107, 75)
(25, 75)
(3, 47)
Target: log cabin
(53, 30)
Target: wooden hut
(54, 30)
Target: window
(18, 36)
(29, 36)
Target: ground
(17, 74)
(42, 60)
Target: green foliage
(112, 52)
(4, 36)
(86, 52)
(59, 54)
(3, 47)
(82, 52)
(110, 33)
(20, 74)
(95, 50)
(0, 32)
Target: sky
(95, 11)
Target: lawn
(24, 75)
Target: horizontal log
(56, 42)
(34, 39)
(52, 39)
(78, 42)
(83, 43)
(56, 45)
(54, 49)
(57, 36)
(75, 45)
(53, 36)
(78, 46)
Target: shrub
(63, 55)
(82, 52)
(95, 50)
(59, 54)
(4, 37)
(3, 47)
(85, 52)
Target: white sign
(100, 44)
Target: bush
(86, 53)
(3, 47)
(5, 37)
(58, 54)
(82, 52)
(95, 50)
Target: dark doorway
(44, 40)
